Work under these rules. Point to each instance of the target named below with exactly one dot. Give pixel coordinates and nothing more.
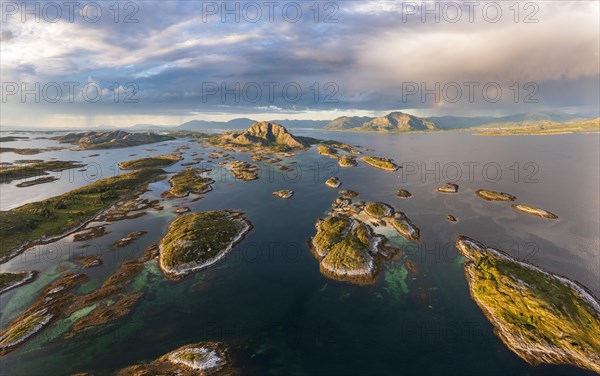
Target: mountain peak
(266, 133)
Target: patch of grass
(158, 161)
(56, 215)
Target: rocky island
(347, 161)
(111, 139)
(403, 193)
(283, 193)
(534, 211)
(158, 161)
(243, 170)
(333, 182)
(542, 317)
(351, 242)
(189, 181)
(494, 196)
(448, 188)
(197, 240)
(382, 163)
(204, 358)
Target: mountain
(193, 125)
(265, 133)
(392, 122)
(347, 122)
(402, 122)
(398, 122)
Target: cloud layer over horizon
(180, 56)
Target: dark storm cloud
(362, 61)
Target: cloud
(372, 49)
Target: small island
(130, 238)
(542, 317)
(158, 161)
(189, 181)
(9, 280)
(333, 182)
(494, 196)
(448, 188)
(203, 358)
(347, 161)
(348, 193)
(197, 240)
(283, 193)
(243, 170)
(351, 242)
(403, 193)
(534, 211)
(378, 162)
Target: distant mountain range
(393, 122)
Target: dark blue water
(280, 316)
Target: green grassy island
(382, 163)
(189, 181)
(494, 196)
(59, 215)
(198, 240)
(542, 317)
(158, 161)
(535, 211)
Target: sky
(167, 62)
